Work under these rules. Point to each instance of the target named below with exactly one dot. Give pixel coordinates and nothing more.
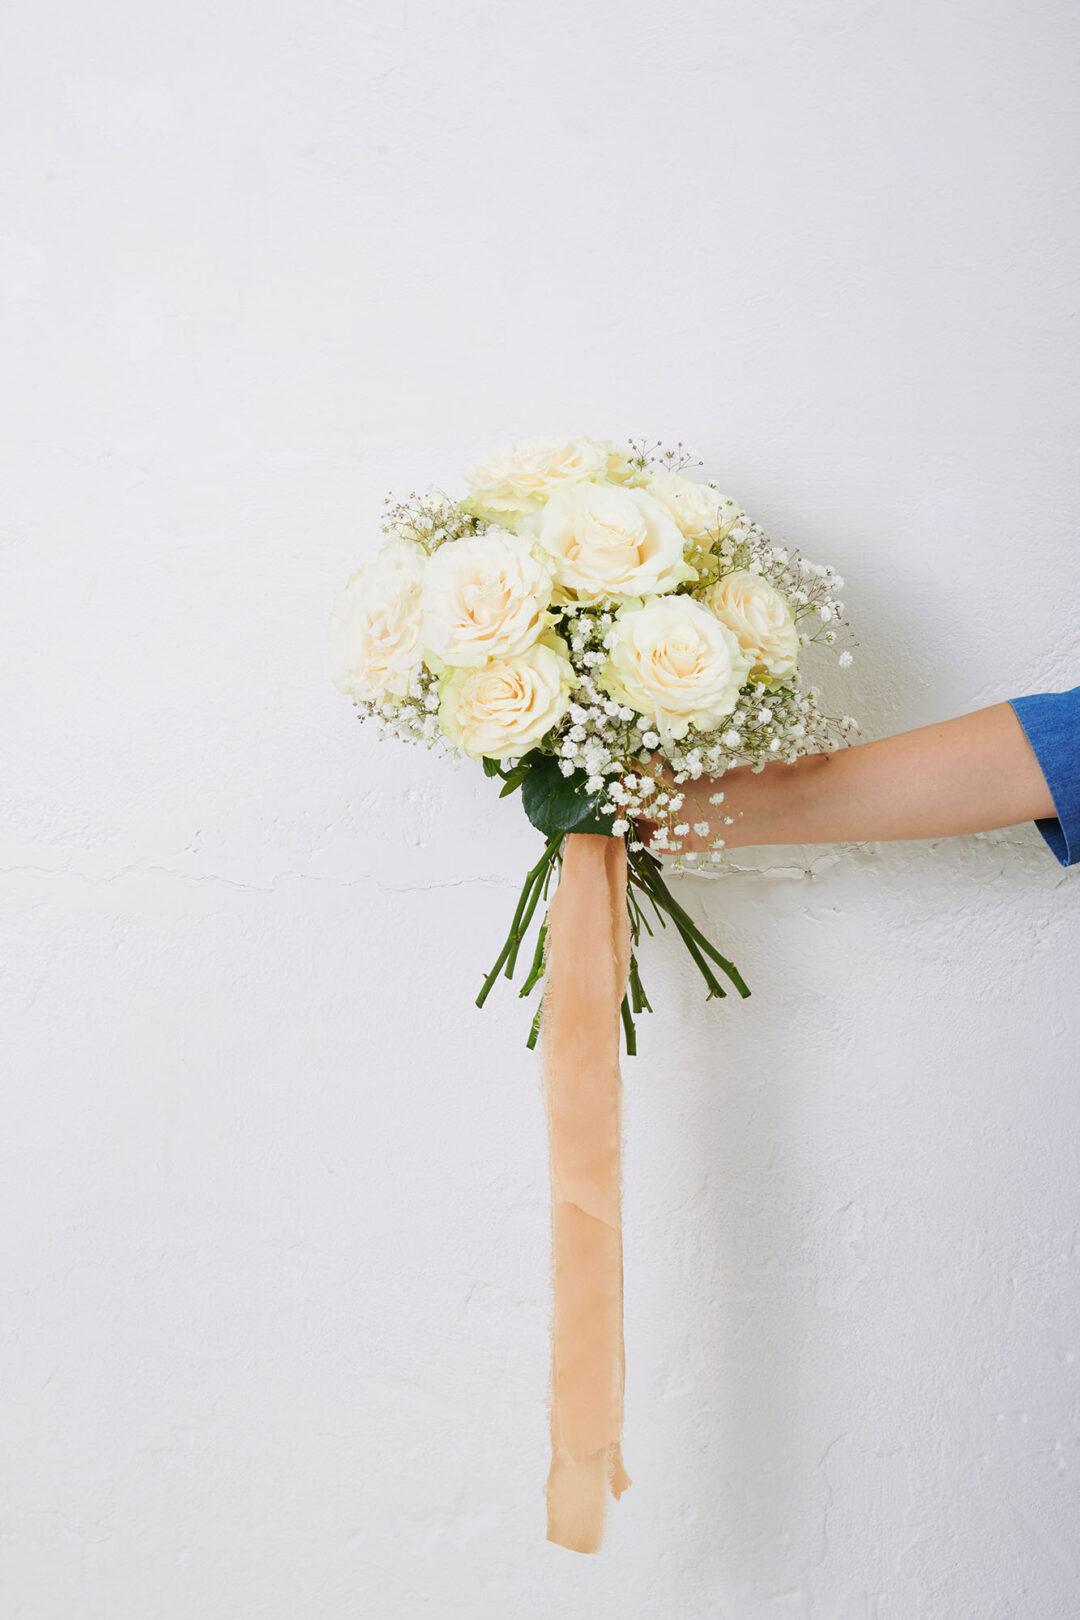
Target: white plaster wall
(273, 1194)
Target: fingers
(645, 832)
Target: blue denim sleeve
(1051, 721)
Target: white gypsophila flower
(701, 512)
(610, 542)
(485, 597)
(676, 663)
(508, 705)
(761, 619)
(375, 625)
(520, 478)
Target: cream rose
(762, 620)
(611, 542)
(520, 478)
(485, 597)
(508, 705)
(618, 468)
(674, 662)
(701, 512)
(375, 625)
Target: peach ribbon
(588, 955)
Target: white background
(273, 1194)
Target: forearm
(967, 775)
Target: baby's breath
(429, 520)
(636, 767)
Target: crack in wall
(138, 869)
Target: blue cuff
(1051, 722)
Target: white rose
(375, 625)
(611, 542)
(761, 619)
(520, 478)
(619, 469)
(701, 512)
(508, 705)
(485, 597)
(676, 664)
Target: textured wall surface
(273, 1194)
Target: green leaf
(491, 767)
(555, 803)
(513, 780)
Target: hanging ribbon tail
(588, 957)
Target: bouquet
(600, 630)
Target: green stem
(523, 924)
(638, 919)
(648, 871)
(508, 944)
(639, 1000)
(636, 881)
(629, 1030)
(536, 972)
(715, 987)
(514, 937)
